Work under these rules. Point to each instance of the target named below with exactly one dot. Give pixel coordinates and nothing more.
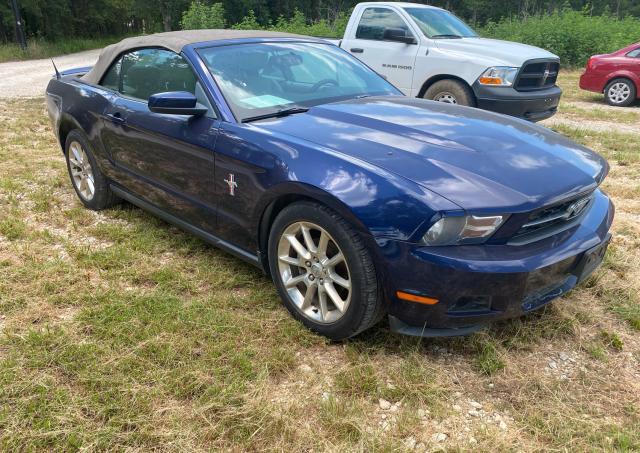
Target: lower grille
(537, 75)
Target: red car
(616, 74)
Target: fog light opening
(471, 304)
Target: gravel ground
(30, 78)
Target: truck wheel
(323, 271)
(450, 92)
(620, 92)
(90, 184)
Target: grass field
(118, 331)
(47, 49)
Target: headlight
(500, 76)
(462, 230)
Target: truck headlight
(500, 76)
(469, 229)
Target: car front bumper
(529, 105)
(478, 284)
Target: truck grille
(553, 219)
(537, 75)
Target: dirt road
(29, 78)
(579, 109)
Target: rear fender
(67, 124)
(73, 104)
(624, 74)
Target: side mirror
(176, 103)
(398, 35)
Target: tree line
(59, 19)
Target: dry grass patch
(118, 331)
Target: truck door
(392, 59)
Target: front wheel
(620, 92)
(323, 271)
(450, 92)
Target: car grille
(553, 219)
(537, 75)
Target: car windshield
(440, 24)
(271, 78)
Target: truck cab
(430, 53)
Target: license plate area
(547, 283)
(591, 260)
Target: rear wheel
(620, 92)
(90, 184)
(451, 92)
(323, 271)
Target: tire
(84, 172)
(451, 92)
(620, 92)
(361, 305)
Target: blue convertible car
(359, 202)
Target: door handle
(116, 118)
(357, 50)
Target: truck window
(438, 23)
(375, 20)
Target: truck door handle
(357, 50)
(116, 118)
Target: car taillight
(591, 63)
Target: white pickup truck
(428, 52)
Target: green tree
(248, 22)
(59, 19)
(200, 15)
(573, 35)
(171, 10)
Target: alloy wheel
(619, 92)
(81, 171)
(314, 272)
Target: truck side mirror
(398, 35)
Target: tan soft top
(172, 40)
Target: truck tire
(323, 271)
(451, 92)
(620, 92)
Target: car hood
(476, 159)
(494, 51)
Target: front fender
(298, 190)
(373, 200)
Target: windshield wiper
(446, 37)
(276, 114)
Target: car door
(394, 60)
(633, 60)
(166, 159)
